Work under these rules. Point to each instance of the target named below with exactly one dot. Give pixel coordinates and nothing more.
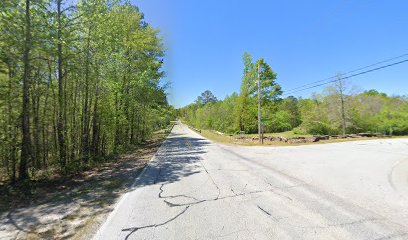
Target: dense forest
(79, 82)
(338, 109)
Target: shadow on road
(178, 157)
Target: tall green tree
(206, 97)
(269, 90)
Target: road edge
(94, 235)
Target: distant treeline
(338, 108)
(79, 81)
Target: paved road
(196, 189)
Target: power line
(352, 71)
(342, 78)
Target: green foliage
(238, 112)
(369, 111)
(218, 115)
(206, 97)
(113, 98)
(246, 111)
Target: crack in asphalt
(274, 191)
(307, 186)
(134, 229)
(167, 200)
(212, 179)
(174, 196)
(263, 210)
(198, 201)
(216, 199)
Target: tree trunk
(132, 127)
(11, 129)
(44, 126)
(95, 128)
(60, 120)
(116, 142)
(341, 89)
(35, 156)
(25, 124)
(85, 126)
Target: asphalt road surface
(197, 189)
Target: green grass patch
(217, 137)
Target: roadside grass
(71, 206)
(227, 139)
(216, 137)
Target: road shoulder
(73, 207)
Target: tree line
(338, 109)
(78, 82)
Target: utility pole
(340, 86)
(259, 107)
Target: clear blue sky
(303, 41)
